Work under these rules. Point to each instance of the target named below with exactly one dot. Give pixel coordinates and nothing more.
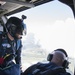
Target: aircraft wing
(9, 7)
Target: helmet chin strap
(10, 37)
(18, 36)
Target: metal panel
(10, 7)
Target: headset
(65, 63)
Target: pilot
(14, 31)
(57, 65)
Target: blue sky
(53, 25)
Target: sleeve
(18, 53)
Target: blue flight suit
(13, 53)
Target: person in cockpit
(57, 65)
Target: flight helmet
(15, 25)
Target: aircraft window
(49, 26)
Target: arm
(18, 52)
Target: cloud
(59, 34)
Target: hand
(21, 73)
(21, 69)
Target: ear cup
(49, 57)
(65, 64)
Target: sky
(53, 25)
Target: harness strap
(6, 56)
(6, 67)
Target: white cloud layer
(60, 34)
